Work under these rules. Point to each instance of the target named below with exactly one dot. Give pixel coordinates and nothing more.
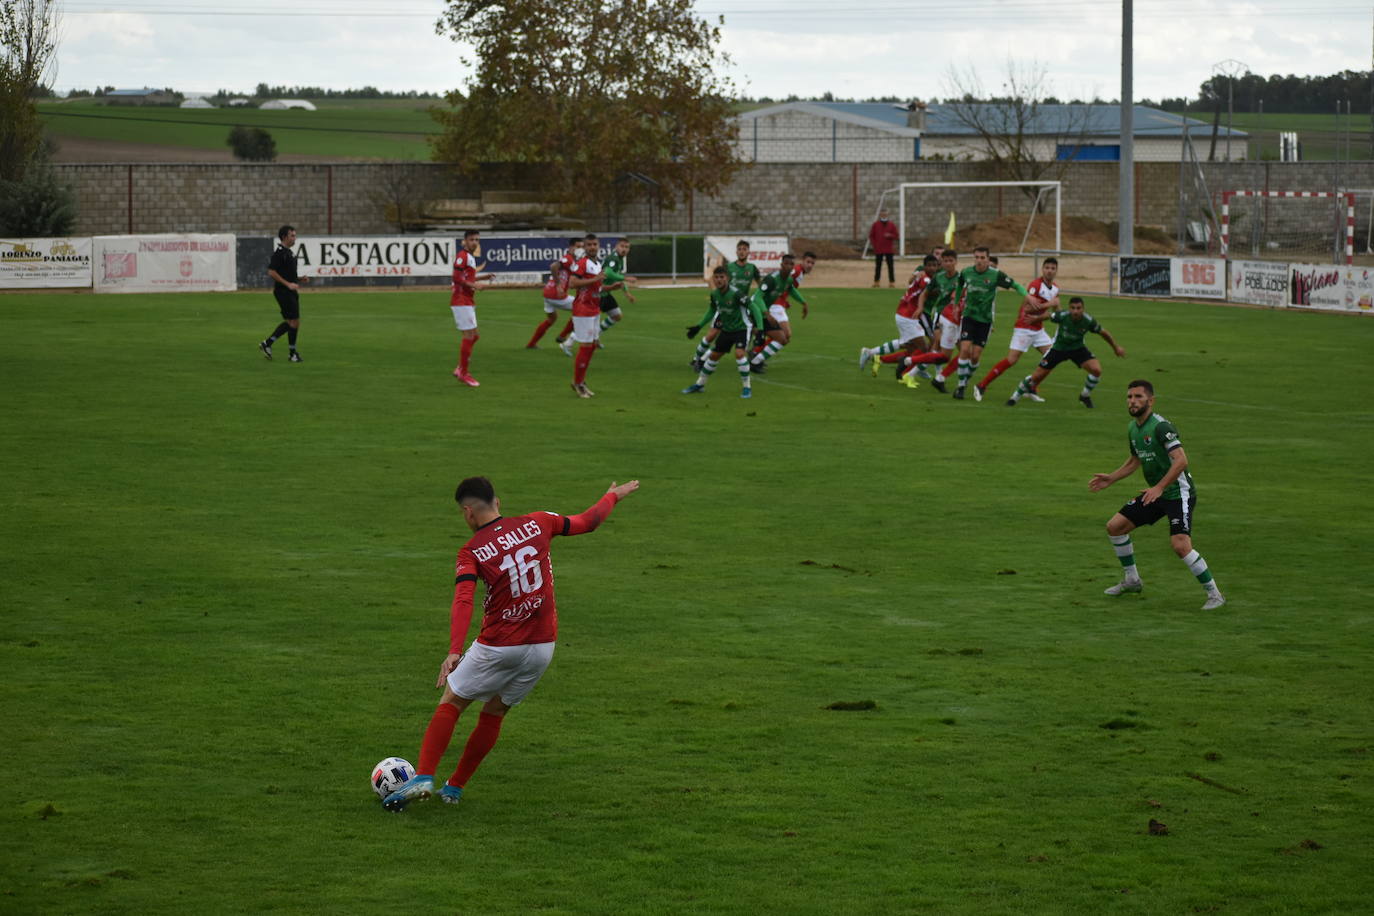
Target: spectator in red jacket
(882, 236)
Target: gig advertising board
(1197, 278)
(1144, 276)
(45, 263)
(765, 251)
(1259, 283)
(163, 263)
(1316, 286)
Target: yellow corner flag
(949, 231)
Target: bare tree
(1022, 130)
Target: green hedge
(654, 255)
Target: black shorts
(1180, 516)
(608, 302)
(289, 301)
(1054, 357)
(728, 340)
(975, 332)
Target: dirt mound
(825, 251)
(1079, 233)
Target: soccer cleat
(939, 385)
(266, 348)
(1011, 402)
(582, 391)
(566, 346)
(909, 380)
(467, 380)
(694, 388)
(1124, 586)
(757, 368)
(874, 365)
(451, 795)
(1087, 401)
(978, 393)
(922, 372)
(295, 357)
(1214, 601)
(747, 393)
(959, 393)
(416, 788)
(865, 356)
(1035, 397)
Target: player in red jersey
(913, 332)
(465, 277)
(519, 626)
(556, 295)
(586, 310)
(1029, 330)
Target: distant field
(345, 128)
(1316, 132)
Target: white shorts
(778, 313)
(465, 316)
(1024, 338)
(586, 328)
(565, 304)
(949, 334)
(909, 328)
(506, 671)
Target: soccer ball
(388, 775)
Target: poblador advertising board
(1259, 282)
(1144, 276)
(765, 251)
(45, 263)
(163, 263)
(1197, 278)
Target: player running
(1042, 298)
(743, 275)
(586, 313)
(735, 318)
(1155, 449)
(913, 334)
(943, 310)
(614, 267)
(1073, 323)
(519, 626)
(464, 306)
(556, 295)
(980, 283)
(778, 333)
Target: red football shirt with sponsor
(1042, 291)
(954, 312)
(588, 301)
(557, 287)
(511, 556)
(908, 308)
(464, 276)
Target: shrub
(253, 144)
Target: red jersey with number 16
(511, 557)
(464, 276)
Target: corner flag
(949, 230)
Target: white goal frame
(1056, 186)
(1349, 215)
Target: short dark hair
(992, 258)
(1141, 383)
(284, 231)
(574, 242)
(589, 237)
(929, 259)
(1078, 299)
(474, 488)
(720, 271)
(949, 253)
(809, 254)
(983, 248)
(1054, 261)
(744, 243)
(787, 256)
(469, 233)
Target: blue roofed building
(888, 132)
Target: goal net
(1316, 227)
(1017, 207)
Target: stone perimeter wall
(817, 200)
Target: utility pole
(1125, 242)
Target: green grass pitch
(226, 585)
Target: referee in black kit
(282, 270)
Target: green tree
(252, 143)
(37, 205)
(28, 30)
(599, 100)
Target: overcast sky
(780, 47)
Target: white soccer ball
(388, 775)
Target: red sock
(948, 370)
(585, 352)
(934, 356)
(480, 742)
(567, 329)
(894, 357)
(465, 354)
(437, 737)
(995, 371)
(540, 331)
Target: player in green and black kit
(613, 265)
(1157, 451)
(981, 283)
(736, 317)
(939, 319)
(775, 287)
(1068, 344)
(743, 274)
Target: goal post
(1042, 189)
(1288, 225)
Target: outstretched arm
(1103, 481)
(1116, 348)
(591, 519)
